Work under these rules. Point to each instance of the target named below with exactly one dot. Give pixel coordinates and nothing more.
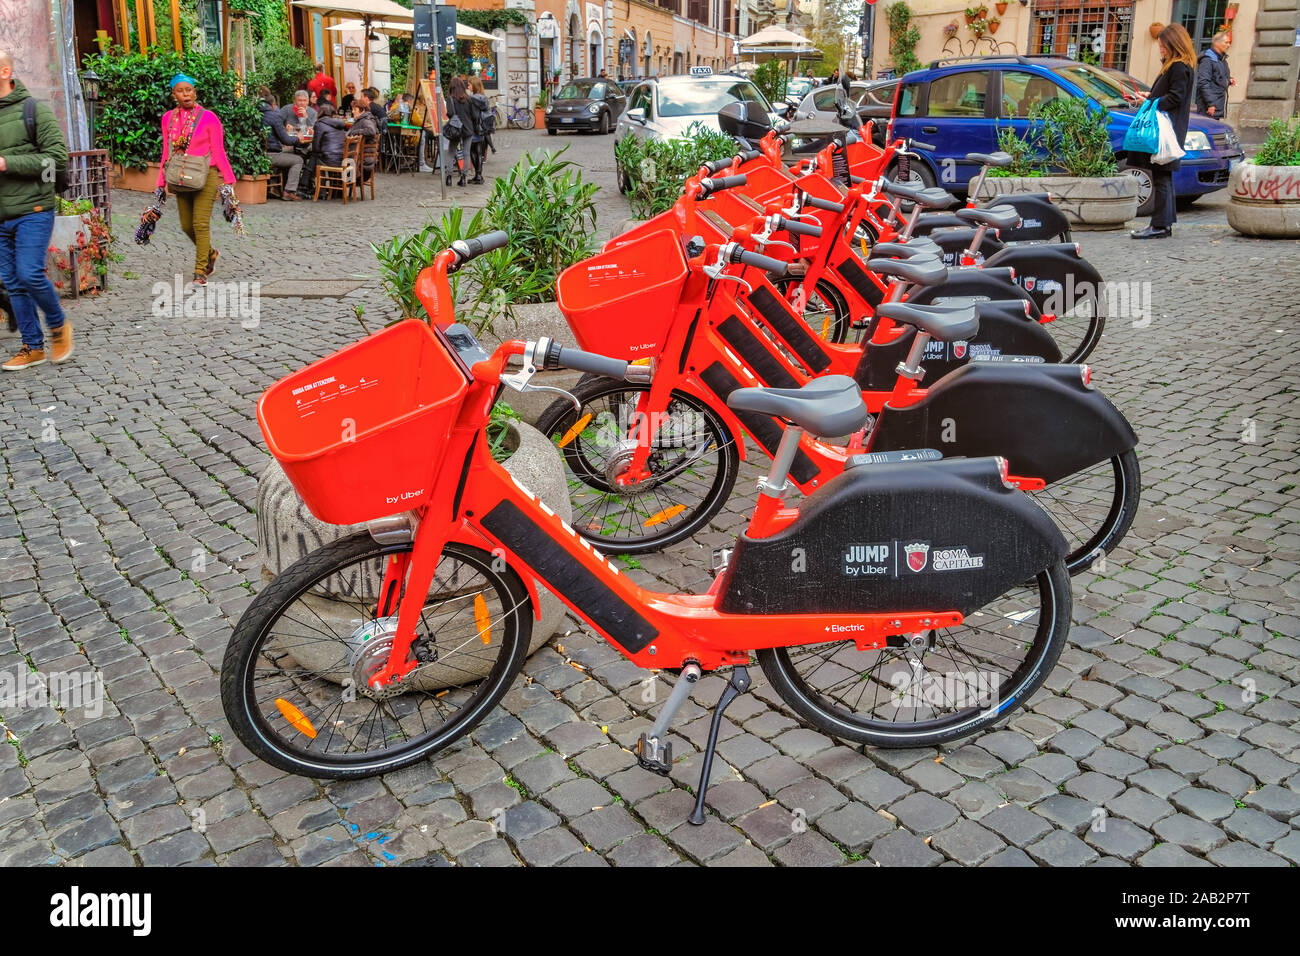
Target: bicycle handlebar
(800, 228)
(825, 204)
(557, 356)
(710, 186)
(475, 247)
(917, 144)
(766, 263)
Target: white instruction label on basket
(310, 397)
(611, 270)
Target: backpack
(29, 117)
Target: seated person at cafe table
(280, 145)
(299, 113)
(364, 125)
(327, 146)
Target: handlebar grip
(801, 228)
(749, 154)
(581, 361)
(917, 144)
(715, 165)
(823, 204)
(724, 182)
(486, 243)
(766, 263)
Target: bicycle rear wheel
(527, 119)
(294, 679)
(964, 680)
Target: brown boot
(61, 342)
(26, 358)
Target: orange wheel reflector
(663, 516)
(576, 430)
(826, 326)
(297, 719)
(482, 619)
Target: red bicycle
(926, 599)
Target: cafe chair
(343, 178)
(367, 166)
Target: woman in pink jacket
(192, 130)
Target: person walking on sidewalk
(1213, 78)
(194, 131)
(1174, 87)
(27, 204)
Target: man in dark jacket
(280, 148)
(1213, 78)
(27, 204)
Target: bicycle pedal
(654, 756)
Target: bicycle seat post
(771, 489)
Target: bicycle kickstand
(738, 684)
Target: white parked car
(664, 107)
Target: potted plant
(1000, 7)
(978, 27)
(982, 11)
(539, 107)
(972, 14)
(950, 29)
(1154, 29)
(994, 24)
(80, 249)
(1065, 151)
(1264, 192)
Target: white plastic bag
(1170, 149)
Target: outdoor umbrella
(367, 11)
(776, 42)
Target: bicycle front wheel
(294, 679)
(527, 119)
(693, 463)
(963, 680)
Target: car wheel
(1186, 202)
(624, 184)
(918, 174)
(551, 131)
(1146, 191)
(604, 124)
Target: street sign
(446, 30)
(422, 38)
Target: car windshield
(705, 97)
(1095, 83)
(583, 90)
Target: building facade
(1264, 57)
(627, 38)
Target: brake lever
(521, 381)
(716, 274)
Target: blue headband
(182, 78)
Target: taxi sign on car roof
(701, 71)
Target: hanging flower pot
(1000, 7)
(1155, 29)
(983, 11)
(994, 24)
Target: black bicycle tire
(291, 584)
(1125, 500)
(775, 663)
(590, 388)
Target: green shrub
(134, 94)
(549, 213)
(1281, 147)
(282, 67)
(903, 38)
(770, 80)
(1025, 159)
(658, 169)
(1064, 136)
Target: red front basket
(360, 434)
(621, 302)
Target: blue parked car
(958, 106)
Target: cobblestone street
(128, 539)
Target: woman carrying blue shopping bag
(1173, 92)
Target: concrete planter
(1107, 202)
(1265, 201)
(287, 531)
